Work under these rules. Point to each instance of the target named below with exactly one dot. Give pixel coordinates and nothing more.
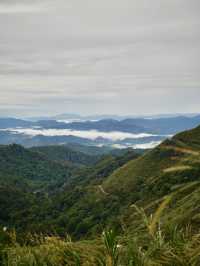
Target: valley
(60, 191)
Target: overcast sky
(96, 57)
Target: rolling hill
(151, 200)
(31, 166)
(66, 155)
(103, 194)
(31, 179)
(172, 168)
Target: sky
(125, 57)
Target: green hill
(26, 179)
(152, 201)
(171, 168)
(31, 166)
(84, 201)
(34, 185)
(66, 155)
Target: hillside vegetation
(35, 191)
(66, 155)
(31, 166)
(147, 206)
(172, 169)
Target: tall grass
(111, 247)
(169, 246)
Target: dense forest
(61, 206)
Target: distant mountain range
(131, 132)
(161, 126)
(76, 117)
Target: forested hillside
(31, 166)
(147, 197)
(33, 182)
(173, 168)
(66, 155)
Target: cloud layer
(90, 134)
(125, 57)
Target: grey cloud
(19, 7)
(100, 56)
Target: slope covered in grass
(171, 169)
(152, 202)
(104, 194)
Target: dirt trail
(102, 190)
(177, 168)
(183, 150)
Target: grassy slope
(103, 196)
(171, 168)
(77, 208)
(165, 181)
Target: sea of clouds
(148, 145)
(88, 134)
